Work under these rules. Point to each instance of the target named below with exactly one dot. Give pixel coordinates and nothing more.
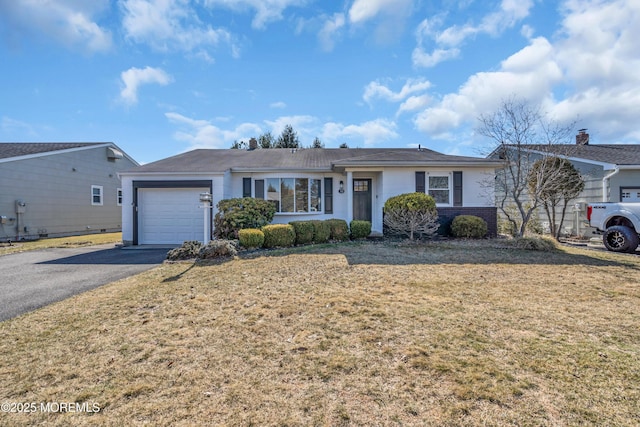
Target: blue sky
(160, 77)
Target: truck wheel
(620, 238)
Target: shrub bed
(469, 226)
(321, 231)
(251, 238)
(235, 214)
(278, 235)
(535, 244)
(218, 249)
(360, 229)
(189, 250)
(303, 230)
(338, 229)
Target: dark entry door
(362, 199)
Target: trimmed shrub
(278, 235)
(469, 226)
(321, 231)
(251, 238)
(189, 250)
(410, 214)
(338, 228)
(360, 229)
(535, 244)
(235, 214)
(218, 249)
(303, 230)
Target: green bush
(189, 250)
(360, 229)
(321, 231)
(278, 235)
(235, 214)
(535, 244)
(303, 230)
(411, 214)
(469, 226)
(339, 229)
(218, 249)
(251, 238)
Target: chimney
(582, 138)
(253, 144)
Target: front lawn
(61, 242)
(447, 333)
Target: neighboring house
(60, 189)
(611, 173)
(162, 205)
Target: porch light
(341, 190)
(206, 197)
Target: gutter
(605, 183)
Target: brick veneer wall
(489, 214)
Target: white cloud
(134, 77)
(414, 103)
(203, 134)
(588, 73)
(278, 104)
(171, 25)
(266, 10)
(448, 41)
(68, 22)
(331, 31)
(364, 10)
(10, 126)
(378, 90)
(370, 133)
(530, 73)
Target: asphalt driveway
(33, 279)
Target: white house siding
(57, 191)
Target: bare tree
(522, 134)
(557, 182)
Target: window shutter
(246, 187)
(328, 195)
(259, 188)
(457, 188)
(420, 182)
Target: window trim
(428, 188)
(119, 196)
(100, 194)
(309, 208)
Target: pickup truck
(618, 222)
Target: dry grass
(354, 334)
(61, 242)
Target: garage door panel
(169, 215)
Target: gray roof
(17, 149)
(617, 154)
(320, 159)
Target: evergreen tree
(266, 140)
(288, 138)
(317, 143)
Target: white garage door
(169, 215)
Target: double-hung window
(294, 195)
(439, 189)
(119, 197)
(96, 195)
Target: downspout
(605, 184)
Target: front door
(362, 199)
